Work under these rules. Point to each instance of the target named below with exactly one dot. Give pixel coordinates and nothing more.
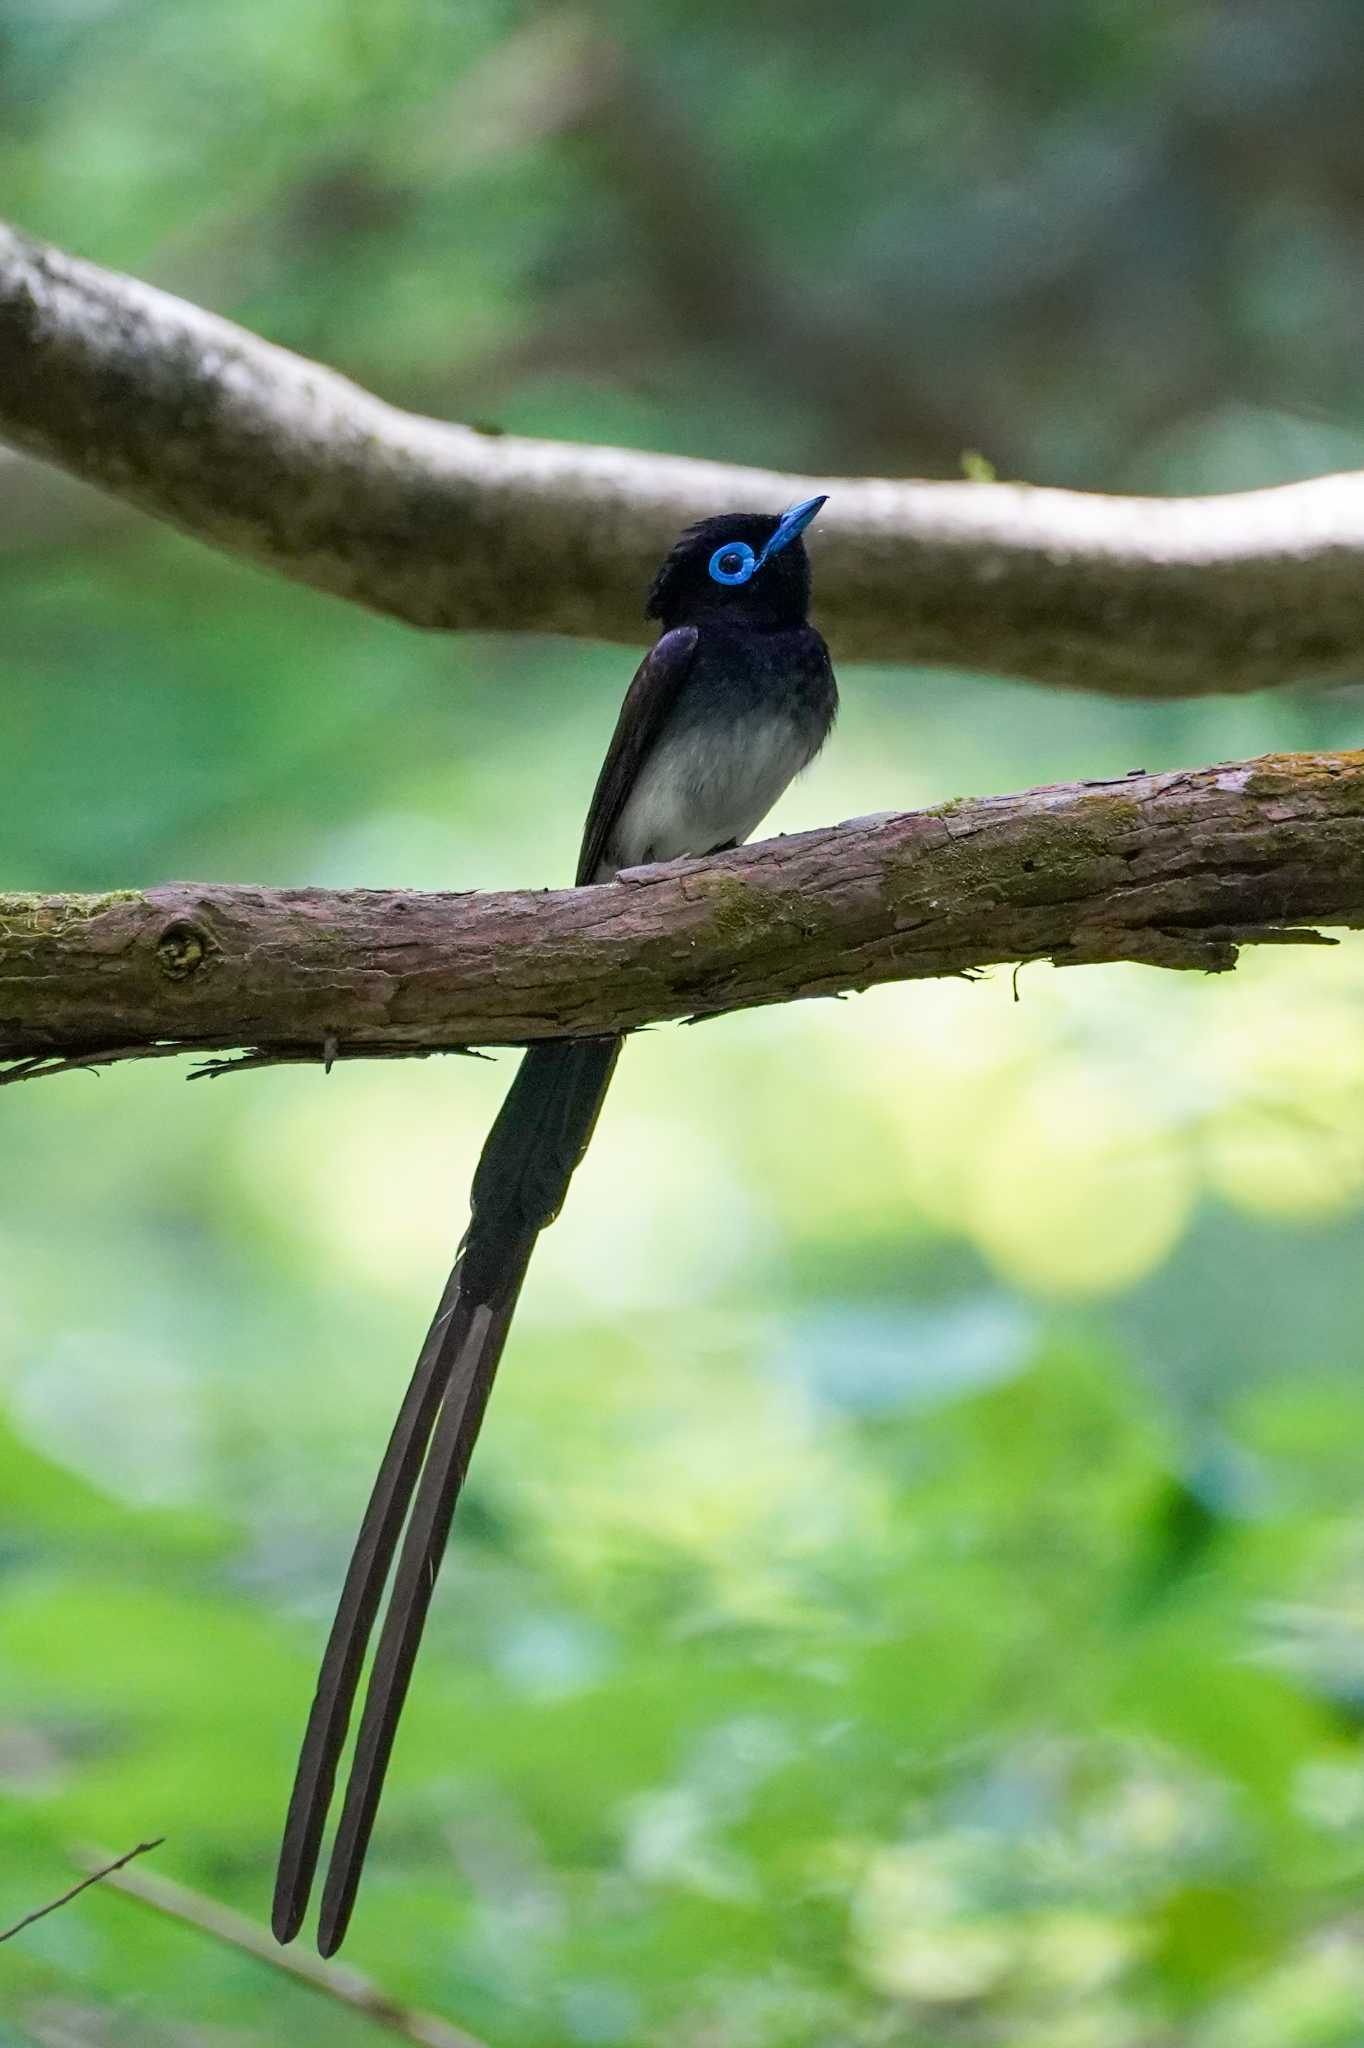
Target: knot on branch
(182, 949)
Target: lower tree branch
(1176, 870)
(345, 1986)
(278, 459)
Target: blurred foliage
(912, 1587)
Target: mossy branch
(1176, 870)
(275, 458)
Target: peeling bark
(1175, 870)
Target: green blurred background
(912, 1585)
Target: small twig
(330, 1056)
(96, 1876)
(21, 1069)
(334, 1980)
(40, 1066)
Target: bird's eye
(733, 563)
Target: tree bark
(277, 459)
(1176, 870)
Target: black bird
(735, 697)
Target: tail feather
(329, 1717)
(413, 1585)
(540, 1135)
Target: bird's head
(749, 566)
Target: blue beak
(793, 522)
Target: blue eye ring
(733, 563)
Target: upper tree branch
(1175, 869)
(278, 459)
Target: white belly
(694, 793)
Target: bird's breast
(711, 781)
(754, 709)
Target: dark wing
(649, 699)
